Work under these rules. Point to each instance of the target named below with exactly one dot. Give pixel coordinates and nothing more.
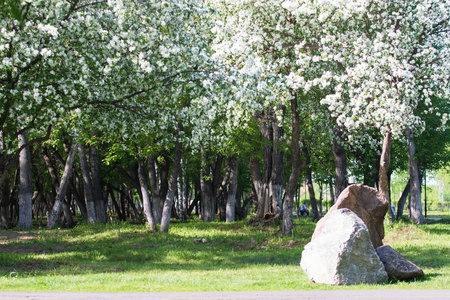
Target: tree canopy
(149, 84)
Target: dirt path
(279, 295)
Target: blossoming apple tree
(123, 68)
(369, 62)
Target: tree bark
(231, 199)
(320, 199)
(332, 196)
(206, 186)
(182, 193)
(276, 185)
(73, 185)
(5, 222)
(87, 183)
(385, 160)
(65, 178)
(100, 207)
(415, 192)
(309, 183)
(291, 188)
(158, 184)
(258, 185)
(148, 211)
(340, 161)
(25, 187)
(402, 201)
(167, 210)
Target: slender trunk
(415, 193)
(158, 185)
(258, 185)
(100, 207)
(312, 195)
(291, 188)
(148, 211)
(87, 183)
(402, 201)
(165, 221)
(182, 193)
(231, 199)
(120, 210)
(5, 221)
(206, 188)
(332, 198)
(385, 160)
(340, 161)
(309, 184)
(72, 185)
(65, 178)
(67, 215)
(25, 187)
(52, 171)
(276, 185)
(320, 199)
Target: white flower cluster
(371, 63)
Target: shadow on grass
(425, 257)
(230, 247)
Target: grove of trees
(145, 110)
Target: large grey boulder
(369, 204)
(342, 254)
(397, 265)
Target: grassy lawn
(233, 257)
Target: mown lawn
(232, 257)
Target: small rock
(397, 265)
(204, 241)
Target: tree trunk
(73, 185)
(158, 184)
(415, 193)
(206, 186)
(182, 193)
(276, 185)
(5, 222)
(100, 207)
(25, 187)
(87, 183)
(402, 201)
(148, 211)
(269, 185)
(385, 160)
(312, 195)
(309, 183)
(67, 215)
(167, 210)
(332, 196)
(65, 178)
(258, 185)
(231, 199)
(291, 188)
(320, 199)
(340, 161)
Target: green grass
(236, 257)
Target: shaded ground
(9, 242)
